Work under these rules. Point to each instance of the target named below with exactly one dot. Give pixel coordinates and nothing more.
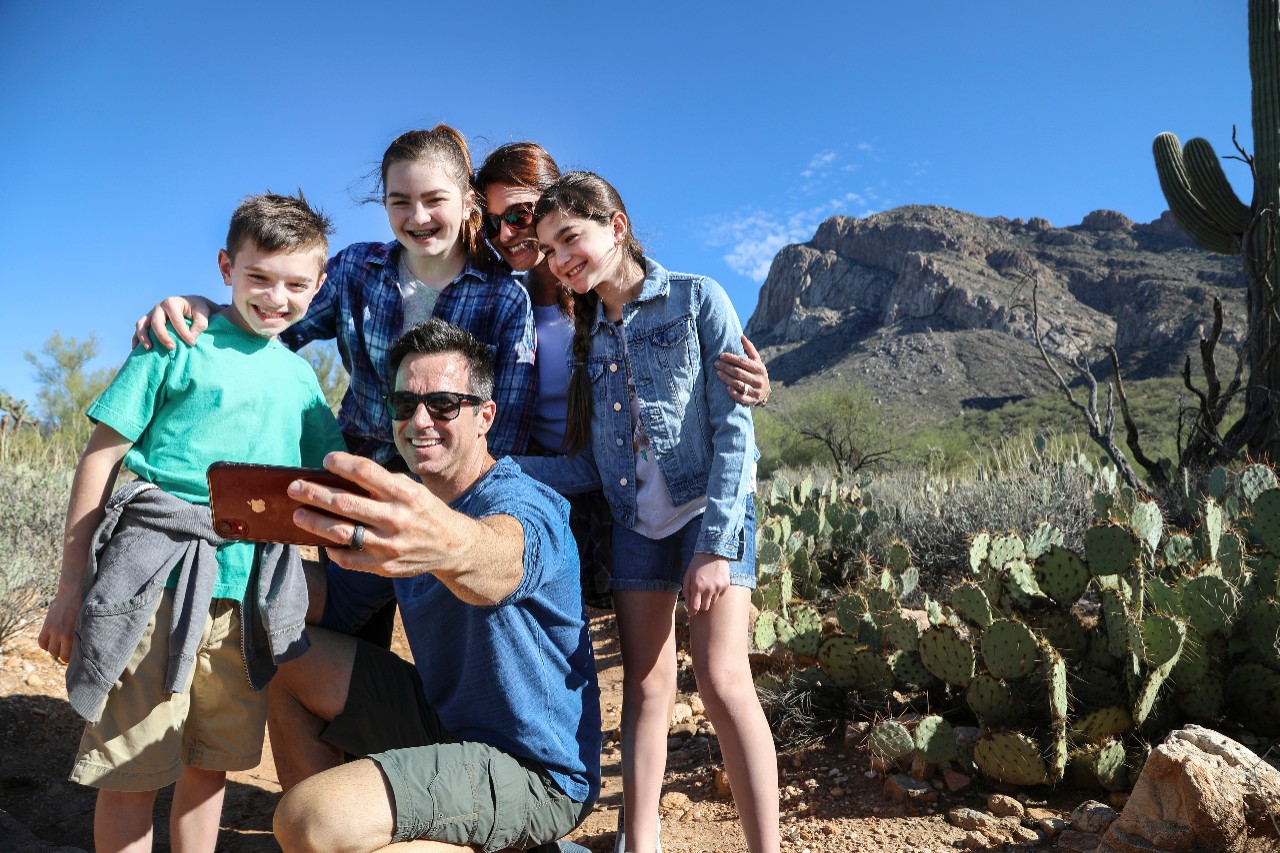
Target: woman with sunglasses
(509, 183)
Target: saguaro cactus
(1205, 206)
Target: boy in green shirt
(178, 706)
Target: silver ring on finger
(357, 538)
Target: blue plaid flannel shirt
(360, 305)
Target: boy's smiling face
(270, 291)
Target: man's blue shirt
(519, 675)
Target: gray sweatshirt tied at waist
(145, 533)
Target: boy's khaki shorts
(146, 736)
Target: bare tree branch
(1100, 429)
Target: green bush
(33, 504)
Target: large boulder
(1200, 791)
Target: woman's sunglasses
(518, 216)
(441, 405)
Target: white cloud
(818, 163)
(752, 236)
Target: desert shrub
(33, 503)
(1014, 489)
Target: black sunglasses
(441, 405)
(518, 216)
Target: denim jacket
(703, 439)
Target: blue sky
(132, 129)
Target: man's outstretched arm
(409, 531)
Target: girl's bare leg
(646, 631)
(719, 645)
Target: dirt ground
(830, 802)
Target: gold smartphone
(251, 502)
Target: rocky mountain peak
(862, 284)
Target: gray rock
(1092, 817)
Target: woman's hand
(746, 376)
(705, 581)
(175, 310)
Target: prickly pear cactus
(1110, 549)
(994, 702)
(1062, 575)
(1011, 757)
(935, 739)
(947, 655)
(971, 603)
(1010, 649)
(890, 739)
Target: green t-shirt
(233, 397)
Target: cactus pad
(971, 602)
(908, 672)
(1095, 687)
(1161, 639)
(1255, 480)
(1210, 603)
(1110, 549)
(1194, 663)
(1179, 549)
(1103, 765)
(1150, 692)
(994, 701)
(1010, 757)
(979, 545)
(890, 739)
(1045, 537)
(850, 608)
(1102, 725)
(1020, 583)
(808, 522)
(763, 635)
(1266, 519)
(835, 657)
(1055, 684)
(807, 625)
(882, 604)
(768, 553)
(1164, 598)
(1009, 649)
(947, 655)
(935, 740)
(1062, 575)
(1212, 526)
(1115, 617)
(1148, 522)
(902, 631)
(897, 555)
(1005, 548)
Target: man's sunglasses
(441, 405)
(518, 216)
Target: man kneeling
(491, 738)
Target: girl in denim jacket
(675, 455)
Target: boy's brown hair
(278, 223)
